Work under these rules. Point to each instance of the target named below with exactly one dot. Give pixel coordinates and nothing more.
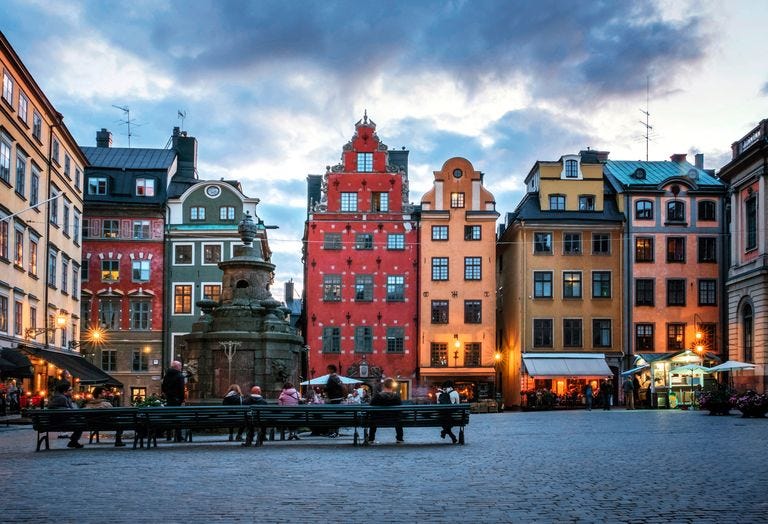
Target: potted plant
(751, 404)
(716, 402)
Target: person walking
(290, 397)
(589, 395)
(629, 393)
(234, 397)
(386, 397)
(62, 399)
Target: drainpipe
(46, 292)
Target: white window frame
(202, 253)
(173, 298)
(180, 244)
(563, 173)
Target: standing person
(335, 392)
(254, 398)
(62, 399)
(605, 395)
(448, 395)
(636, 391)
(290, 397)
(234, 397)
(589, 396)
(99, 401)
(386, 397)
(629, 393)
(14, 398)
(173, 389)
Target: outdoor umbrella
(322, 381)
(731, 365)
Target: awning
(76, 364)
(566, 365)
(14, 364)
(635, 370)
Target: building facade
(360, 260)
(747, 277)
(457, 282)
(560, 282)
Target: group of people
(10, 398)
(62, 399)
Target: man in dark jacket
(254, 398)
(173, 390)
(386, 397)
(62, 399)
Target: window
(34, 187)
(439, 232)
(675, 211)
(182, 299)
(78, 177)
(364, 162)
(140, 361)
(32, 317)
(601, 284)
(380, 202)
(211, 253)
(84, 276)
(587, 203)
(747, 329)
(332, 241)
(542, 332)
(438, 352)
(472, 354)
(439, 311)
(75, 281)
(396, 288)
(363, 288)
(363, 339)
(601, 244)
(140, 270)
(33, 255)
(676, 249)
(37, 125)
(557, 202)
(643, 249)
(644, 337)
(138, 393)
(109, 313)
(348, 202)
(571, 169)
(109, 360)
(86, 230)
(141, 319)
(18, 250)
(707, 210)
(472, 232)
(67, 166)
(364, 241)
(332, 288)
(472, 268)
(542, 284)
(197, 213)
(572, 284)
(572, 332)
(18, 307)
(110, 270)
(572, 243)
(750, 209)
(226, 213)
(473, 312)
(145, 187)
(439, 268)
(395, 340)
(110, 229)
(65, 224)
(97, 185)
(457, 200)
(140, 229)
(675, 337)
(52, 258)
(54, 206)
(64, 274)
(55, 150)
(331, 340)
(644, 292)
(601, 333)
(5, 159)
(395, 241)
(707, 292)
(707, 249)
(21, 173)
(644, 210)
(676, 292)
(542, 243)
(212, 292)
(4, 238)
(3, 314)
(76, 228)
(23, 107)
(182, 254)
(8, 88)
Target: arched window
(644, 210)
(676, 211)
(747, 324)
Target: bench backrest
(83, 419)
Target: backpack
(444, 398)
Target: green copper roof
(657, 172)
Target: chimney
(678, 158)
(289, 292)
(103, 138)
(699, 160)
(186, 149)
(602, 156)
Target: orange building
(457, 262)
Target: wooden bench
(85, 420)
(153, 421)
(417, 416)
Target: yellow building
(457, 283)
(560, 282)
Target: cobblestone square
(572, 466)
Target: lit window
(110, 229)
(572, 284)
(212, 292)
(182, 299)
(110, 270)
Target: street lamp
(59, 322)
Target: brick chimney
(186, 149)
(678, 157)
(103, 138)
(699, 160)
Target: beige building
(457, 340)
(559, 277)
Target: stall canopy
(566, 365)
(634, 370)
(14, 364)
(77, 366)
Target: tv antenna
(182, 116)
(646, 124)
(127, 112)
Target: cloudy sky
(272, 89)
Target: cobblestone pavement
(574, 466)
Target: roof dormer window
(571, 169)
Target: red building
(361, 265)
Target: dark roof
(529, 209)
(179, 185)
(129, 158)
